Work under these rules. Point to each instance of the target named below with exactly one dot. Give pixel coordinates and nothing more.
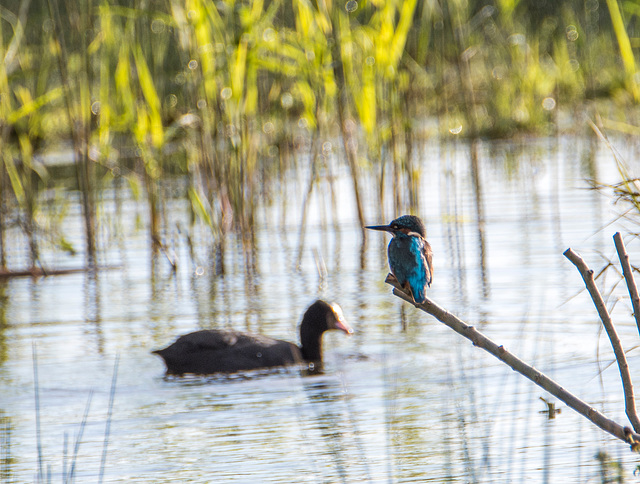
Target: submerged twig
(36, 390)
(628, 276)
(69, 478)
(587, 276)
(107, 429)
(478, 339)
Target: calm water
(402, 400)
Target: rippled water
(404, 399)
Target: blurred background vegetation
(231, 95)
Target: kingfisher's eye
(394, 227)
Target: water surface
(404, 399)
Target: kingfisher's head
(406, 224)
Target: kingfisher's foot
(407, 290)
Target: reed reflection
(93, 305)
(333, 417)
(480, 217)
(4, 307)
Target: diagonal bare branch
(537, 377)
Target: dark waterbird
(220, 351)
(409, 255)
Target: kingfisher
(409, 255)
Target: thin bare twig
(628, 276)
(587, 276)
(537, 377)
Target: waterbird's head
(320, 317)
(324, 316)
(406, 224)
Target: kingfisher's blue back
(409, 254)
(408, 262)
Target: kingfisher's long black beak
(385, 228)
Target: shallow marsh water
(404, 399)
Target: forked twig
(478, 339)
(587, 276)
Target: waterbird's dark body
(410, 255)
(223, 351)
